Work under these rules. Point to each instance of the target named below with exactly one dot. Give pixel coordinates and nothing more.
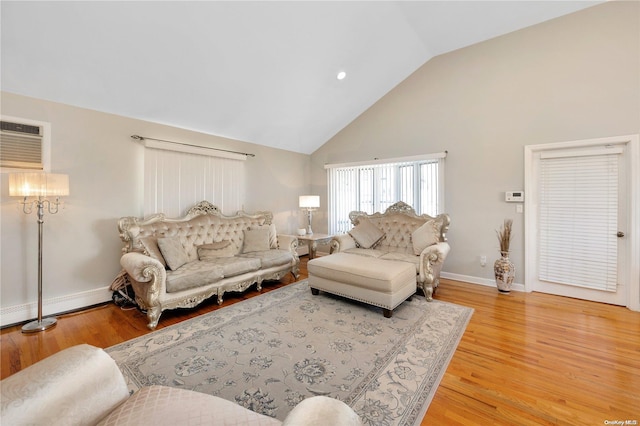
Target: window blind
(578, 214)
(175, 181)
(373, 187)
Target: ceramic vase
(504, 271)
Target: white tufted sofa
(398, 225)
(215, 253)
(82, 385)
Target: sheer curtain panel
(175, 181)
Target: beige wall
(576, 77)
(81, 243)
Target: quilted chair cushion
(76, 386)
(163, 405)
(321, 411)
(270, 258)
(193, 274)
(232, 266)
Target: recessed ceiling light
(341, 75)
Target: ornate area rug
(270, 352)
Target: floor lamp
(309, 203)
(41, 186)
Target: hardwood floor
(525, 359)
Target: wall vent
(21, 146)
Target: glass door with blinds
(581, 214)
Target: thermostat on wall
(514, 196)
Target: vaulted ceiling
(258, 71)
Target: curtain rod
(141, 138)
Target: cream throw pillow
(150, 245)
(273, 236)
(173, 252)
(216, 249)
(255, 240)
(366, 234)
(426, 235)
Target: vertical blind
(175, 181)
(578, 214)
(375, 186)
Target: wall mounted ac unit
(21, 146)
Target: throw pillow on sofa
(173, 252)
(273, 235)
(426, 235)
(366, 234)
(255, 240)
(150, 245)
(216, 249)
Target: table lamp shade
(38, 184)
(309, 201)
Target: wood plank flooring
(525, 359)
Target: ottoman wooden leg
(315, 291)
(387, 312)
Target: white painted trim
(633, 233)
(634, 223)
(20, 313)
(476, 280)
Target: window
(374, 186)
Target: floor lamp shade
(38, 184)
(42, 191)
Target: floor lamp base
(35, 326)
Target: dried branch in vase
(504, 235)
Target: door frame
(632, 239)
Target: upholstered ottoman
(378, 282)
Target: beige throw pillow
(273, 236)
(216, 249)
(426, 235)
(173, 252)
(255, 240)
(366, 234)
(150, 245)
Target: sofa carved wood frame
(148, 291)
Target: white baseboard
(71, 302)
(477, 280)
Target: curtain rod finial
(137, 137)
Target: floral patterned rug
(271, 351)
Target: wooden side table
(313, 240)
